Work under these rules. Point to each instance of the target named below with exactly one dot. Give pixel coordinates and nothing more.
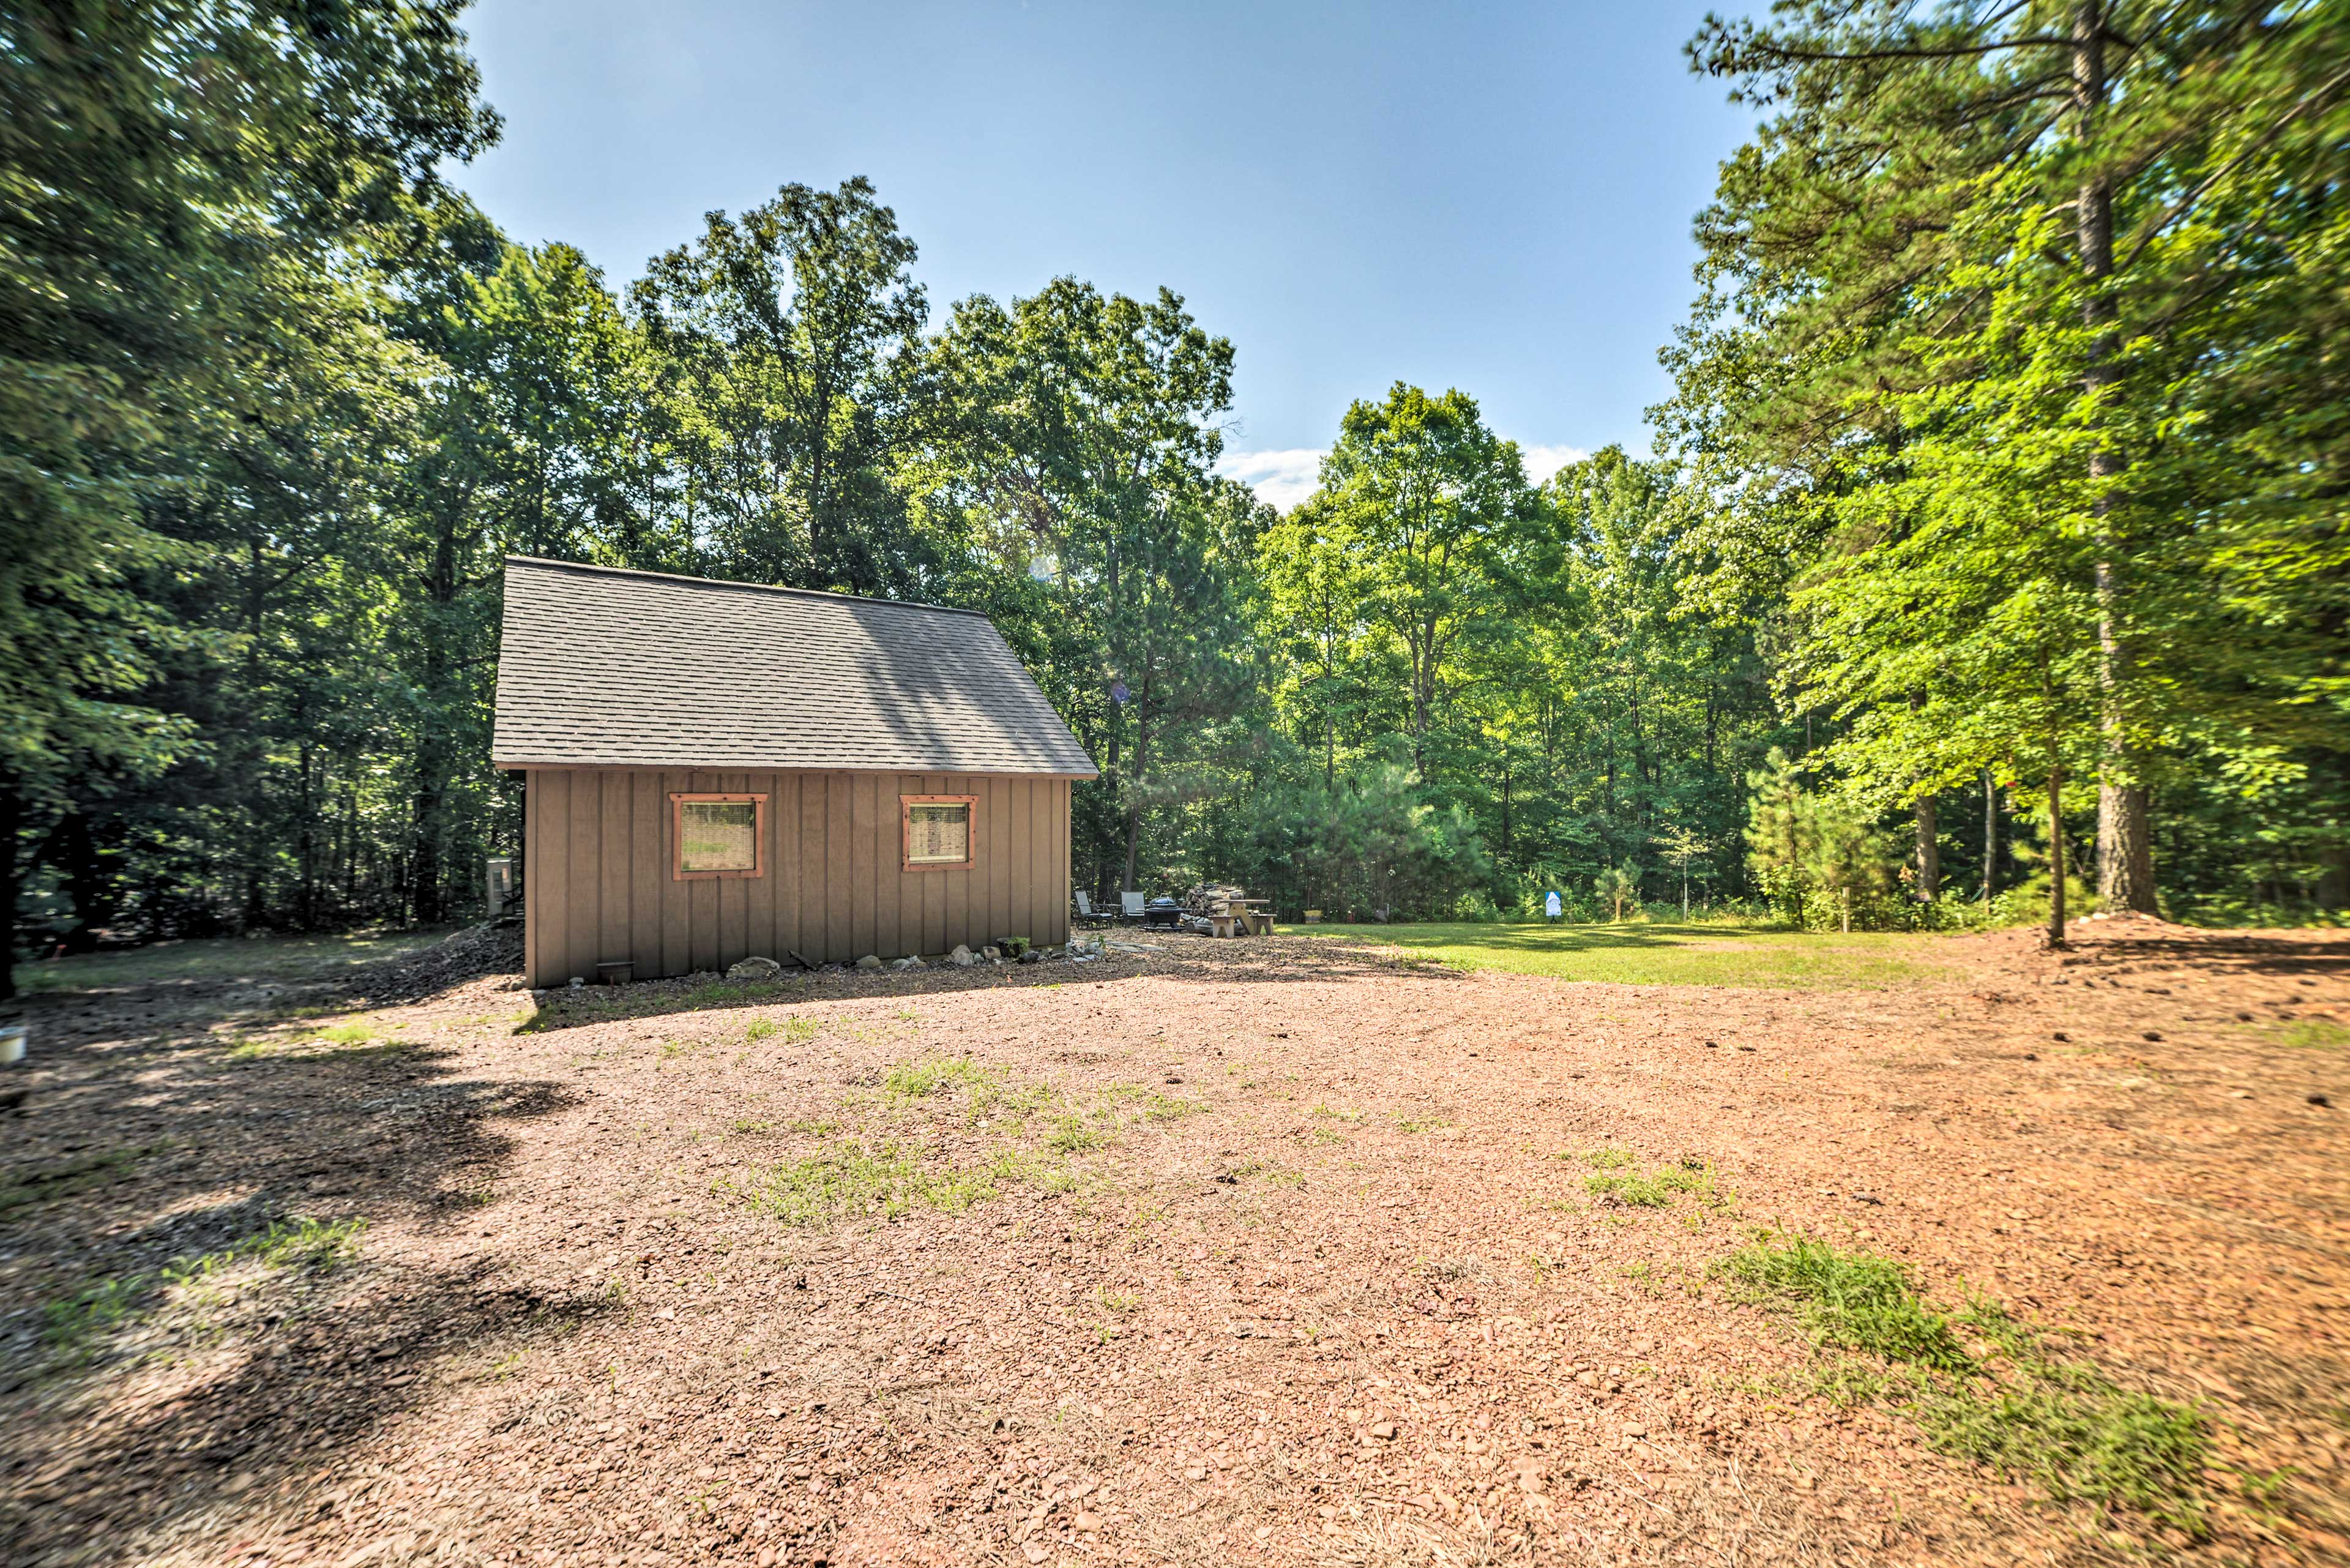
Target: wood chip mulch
(1274, 1252)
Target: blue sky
(1492, 197)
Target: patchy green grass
(1643, 954)
(892, 1150)
(1852, 1300)
(1982, 1383)
(349, 1041)
(1654, 1188)
(241, 960)
(2315, 1033)
(1154, 1107)
(927, 1076)
(1070, 1135)
(1631, 1191)
(75, 1326)
(46, 1183)
(856, 1178)
(311, 1246)
(985, 1091)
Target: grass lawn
(237, 959)
(1648, 954)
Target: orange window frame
(905, 803)
(677, 802)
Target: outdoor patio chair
(1129, 906)
(1087, 912)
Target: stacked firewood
(1213, 899)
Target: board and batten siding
(598, 887)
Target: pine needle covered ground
(1296, 1251)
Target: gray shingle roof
(598, 666)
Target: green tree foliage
(1980, 303)
(2006, 462)
(1817, 855)
(792, 342)
(1075, 435)
(1429, 508)
(175, 176)
(1616, 886)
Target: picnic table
(1227, 911)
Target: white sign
(1550, 905)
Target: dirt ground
(1282, 1252)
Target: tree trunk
(75, 855)
(1991, 837)
(2335, 871)
(11, 822)
(251, 750)
(1133, 794)
(1505, 807)
(2125, 848)
(2055, 854)
(1929, 850)
(434, 762)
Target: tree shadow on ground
(2282, 953)
(587, 1005)
(271, 1366)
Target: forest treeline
(1997, 518)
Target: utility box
(500, 890)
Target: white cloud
(1542, 461)
(1281, 478)
(1286, 478)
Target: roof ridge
(734, 583)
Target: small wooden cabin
(715, 770)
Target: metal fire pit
(1164, 912)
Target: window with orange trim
(937, 831)
(718, 835)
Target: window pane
(719, 835)
(938, 832)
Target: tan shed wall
(597, 862)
